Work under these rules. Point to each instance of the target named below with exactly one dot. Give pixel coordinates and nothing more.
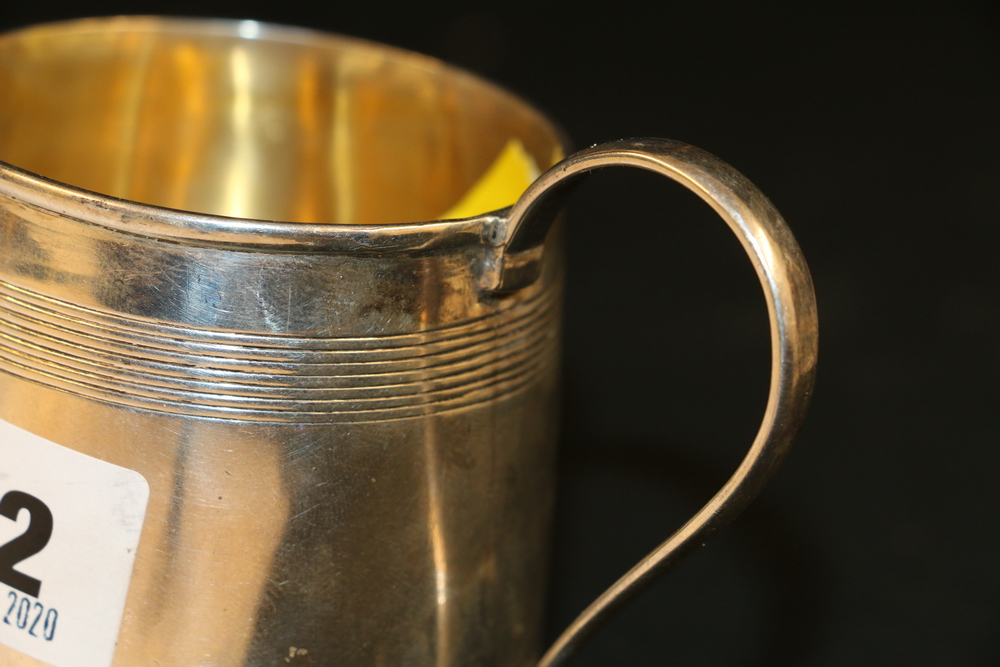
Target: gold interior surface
(248, 120)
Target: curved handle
(791, 306)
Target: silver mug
(253, 414)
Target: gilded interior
(247, 120)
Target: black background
(874, 129)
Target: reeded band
(152, 365)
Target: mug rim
(194, 228)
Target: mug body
(346, 443)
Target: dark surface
(876, 132)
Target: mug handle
(791, 306)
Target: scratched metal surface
(349, 443)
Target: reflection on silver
(346, 418)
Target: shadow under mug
(252, 414)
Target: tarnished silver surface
(346, 420)
(348, 442)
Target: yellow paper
(509, 175)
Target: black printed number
(25, 545)
(22, 610)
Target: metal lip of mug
(251, 413)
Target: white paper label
(69, 528)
